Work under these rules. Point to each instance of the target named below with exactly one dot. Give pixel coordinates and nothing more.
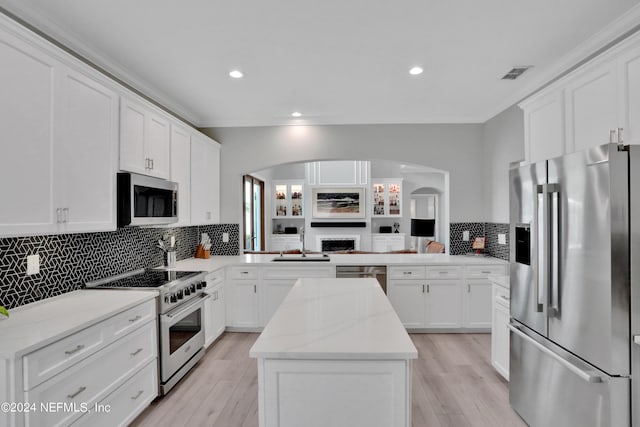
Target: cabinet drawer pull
(136, 352)
(137, 395)
(443, 272)
(135, 319)
(485, 272)
(75, 350)
(406, 272)
(80, 390)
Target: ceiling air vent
(515, 72)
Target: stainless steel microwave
(145, 200)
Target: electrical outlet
(33, 264)
(225, 237)
(502, 239)
(465, 235)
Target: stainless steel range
(180, 316)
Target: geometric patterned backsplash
(67, 261)
(478, 229)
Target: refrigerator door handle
(636, 339)
(554, 223)
(542, 228)
(588, 376)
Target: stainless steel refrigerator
(575, 227)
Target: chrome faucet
(302, 240)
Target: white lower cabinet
(477, 303)
(442, 297)
(214, 307)
(500, 339)
(242, 309)
(123, 405)
(104, 374)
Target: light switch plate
(465, 235)
(502, 239)
(33, 264)
(225, 237)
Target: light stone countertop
(218, 262)
(40, 323)
(335, 319)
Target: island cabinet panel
(320, 393)
(214, 307)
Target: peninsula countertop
(335, 319)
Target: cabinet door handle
(151, 160)
(65, 211)
(255, 289)
(428, 290)
(58, 215)
(423, 289)
(146, 163)
(137, 395)
(73, 395)
(75, 350)
(135, 353)
(468, 287)
(135, 319)
(612, 133)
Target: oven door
(181, 335)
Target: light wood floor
(454, 385)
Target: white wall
(454, 148)
(503, 138)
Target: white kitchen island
(334, 354)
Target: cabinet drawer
(93, 378)
(215, 277)
(127, 401)
(407, 272)
(48, 361)
(453, 272)
(483, 271)
(244, 272)
(131, 319)
(296, 273)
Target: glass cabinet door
(288, 200)
(387, 198)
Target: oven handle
(197, 301)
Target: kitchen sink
(300, 258)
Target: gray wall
(503, 138)
(454, 148)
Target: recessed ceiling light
(296, 114)
(236, 74)
(415, 71)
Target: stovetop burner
(144, 278)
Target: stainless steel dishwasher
(378, 272)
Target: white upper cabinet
(590, 106)
(629, 93)
(26, 120)
(205, 181)
(60, 130)
(86, 155)
(181, 172)
(145, 138)
(544, 126)
(597, 103)
(338, 172)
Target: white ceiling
(336, 61)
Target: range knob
(173, 298)
(192, 288)
(187, 291)
(179, 295)
(199, 285)
(167, 299)
(204, 284)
